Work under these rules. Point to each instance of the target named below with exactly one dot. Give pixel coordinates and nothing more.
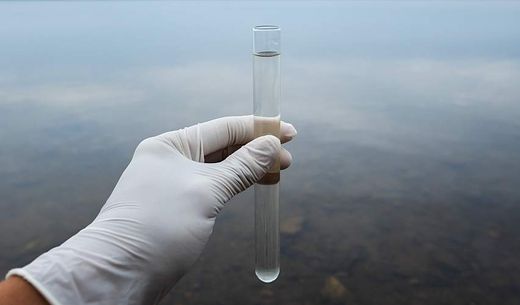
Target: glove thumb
(248, 164)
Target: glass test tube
(266, 100)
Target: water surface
(404, 186)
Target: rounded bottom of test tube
(267, 275)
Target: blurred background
(405, 183)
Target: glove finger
(246, 166)
(218, 156)
(236, 130)
(285, 158)
(216, 136)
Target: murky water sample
(267, 240)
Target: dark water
(405, 182)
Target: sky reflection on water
(407, 161)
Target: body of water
(404, 187)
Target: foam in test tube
(266, 102)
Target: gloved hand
(159, 217)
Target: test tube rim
(266, 27)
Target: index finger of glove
(235, 130)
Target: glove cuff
(82, 271)
(35, 283)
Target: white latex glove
(159, 217)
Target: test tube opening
(266, 40)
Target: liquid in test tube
(266, 100)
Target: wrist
(15, 290)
